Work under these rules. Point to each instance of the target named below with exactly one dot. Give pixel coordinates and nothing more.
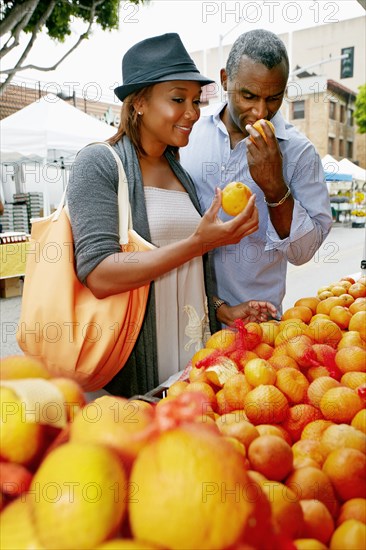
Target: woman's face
(168, 114)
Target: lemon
(125, 544)
(222, 339)
(17, 530)
(20, 439)
(22, 366)
(235, 197)
(114, 421)
(192, 491)
(79, 496)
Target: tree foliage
(360, 110)
(56, 16)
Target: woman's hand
(252, 311)
(213, 232)
(117, 273)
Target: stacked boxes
(20, 218)
(18, 214)
(25, 207)
(34, 204)
(6, 220)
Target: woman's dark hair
(131, 120)
(259, 45)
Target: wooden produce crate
(10, 287)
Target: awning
(337, 176)
(333, 171)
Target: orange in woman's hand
(235, 197)
(257, 126)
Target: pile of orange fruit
(262, 446)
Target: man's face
(256, 92)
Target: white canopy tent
(333, 172)
(329, 161)
(358, 173)
(343, 167)
(47, 131)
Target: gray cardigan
(93, 207)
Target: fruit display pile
(262, 446)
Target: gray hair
(259, 45)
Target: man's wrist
(223, 314)
(217, 303)
(281, 201)
(275, 190)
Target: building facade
(321, 92)
(322, 86)
(16, 97)
(324, 112)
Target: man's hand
(265, 162)
(265, 165)
(252, 311)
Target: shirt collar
(280, 126)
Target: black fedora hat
(157, 59)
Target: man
(283, 170)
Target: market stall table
(12, 267)
(343, 208)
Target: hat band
(155, 74)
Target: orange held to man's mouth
(257, 126)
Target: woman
(161, 97)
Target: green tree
(360, 110)
(56, 16)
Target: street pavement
(340, 255)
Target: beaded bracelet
(217, 302)
(274, 204)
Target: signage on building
(347, 63)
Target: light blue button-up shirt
(255, 268)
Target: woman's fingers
(248, 220)
(232, 231)
(250, 205)
(250, 212)
(213, 211)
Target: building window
(332, 110)
(331, 145)
(350, 117)
(341, 148)
(298, 109)
(342, 115)
(349, 149)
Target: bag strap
(124, 209)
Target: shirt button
(222, 168)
